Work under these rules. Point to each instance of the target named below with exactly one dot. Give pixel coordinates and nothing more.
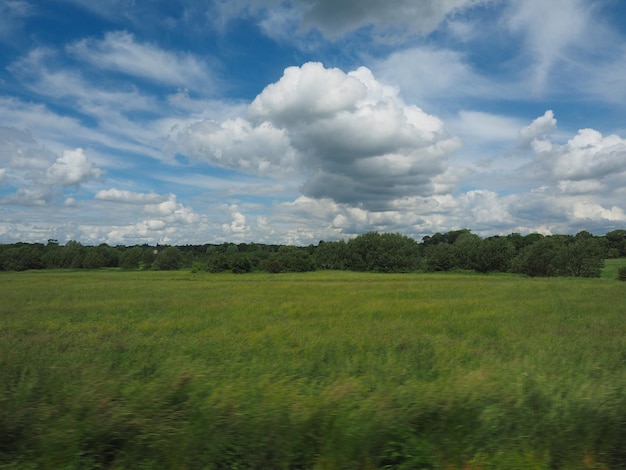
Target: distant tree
(331, 255)
(218, 262)
(101, 256)
(616, 243)
(52, 256)
(288, 259)
(520, 242)
(583, 256)
(148, 256)
(272, 265)
(563, 255)
(21, 256)
(466, 250)
(435, 239)
(130, 258)
(439, 257)
(72, 254)
(453, 235)
(111, 255)
(540, 259)
(168, 259)
(387, 252)
(294, 259)
(227, 248)
(495, 254)
(241, 265)
(93, 259)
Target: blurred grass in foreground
(107, 369)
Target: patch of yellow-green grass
(314, 370)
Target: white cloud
(310, 92)
(28, 196)
(129, 197)
(486, 209)
(581, 187)
(72, 169)
(171, 211)
(539, 130)
(236, 144)
(586, 156)
(237, 227)
(582, 210)
(120, 52)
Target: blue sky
(272, 121)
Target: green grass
(611, 267)
(107, 369)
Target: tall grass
(320, 370)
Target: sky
(293, 121)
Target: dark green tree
(130, 258)
(241, 265)
(293, 259)
(72, 255)
(272, 265)
(22, 256)
(387, 252)
(562, 255)
(616, 240)
(331, 255)
(466, 250)
(495, 254)
(218, 262)
(168, 259)
(439, 257)
(101, 256)
(540, 259)
(148, 256)
(583, 256)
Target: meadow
(320, 370)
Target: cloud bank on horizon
(293, 122)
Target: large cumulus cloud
(351, 138)
(587, 163)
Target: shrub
(621, 274)
(199, 267)
(242, 265)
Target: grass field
(327, 370)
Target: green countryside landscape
(312, 235)
(420, 368)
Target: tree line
(580, 255)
